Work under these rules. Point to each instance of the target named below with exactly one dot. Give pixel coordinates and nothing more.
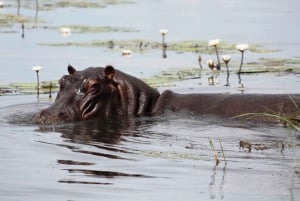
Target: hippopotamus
(103, 92)
(98, 92)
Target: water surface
(149, 158)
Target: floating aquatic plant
(214, 152)
(199, 61)
(215, 43)
(163, 33)
(226, 59)
(211, 65)
(37, 70)
(242, 48)
(65, 31)
(126, 52)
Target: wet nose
(61, 114)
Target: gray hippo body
(230, 105)
(95, 93)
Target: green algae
(89, 4)
(77, 4)
(171, 155)
(180, 46)
(168, 77)
(8, 20)
(28, 88)
(273, 65)
(93, 29)
(56, 4)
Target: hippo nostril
(61, 114)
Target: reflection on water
(149, 158)
(90, 131)
(216, 188)
(143, 158)
(245, 22)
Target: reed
(215, 154)
(290, 121)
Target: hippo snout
(47, 117)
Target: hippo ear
(109, 72)
(71, 69)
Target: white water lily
(214, 42)
(65, 31)
(242, 47)
(126, 52)
(164, 31)
(210, 63)
(37, 68)
(226, 58)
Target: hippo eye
(79, 94)
(62, 81)
(94, 86)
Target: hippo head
(83, 95)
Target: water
(149, 158)
(269, 23)
(142, 158)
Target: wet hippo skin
(98, 92)
(231, 105)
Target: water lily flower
(126, 52)
(242, 47)
(65, 31)
(214, 42)
(226, 58)
(164, 31)
(164, 45)
(37, 68)
(210, 64)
